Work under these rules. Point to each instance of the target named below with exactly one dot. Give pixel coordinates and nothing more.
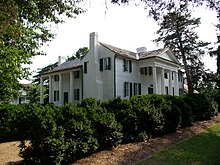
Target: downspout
(82, 81)
(114, 77)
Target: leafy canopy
(24, 27)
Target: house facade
(22, 96)
(106, 72)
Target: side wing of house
(64, 83)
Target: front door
(65, 97)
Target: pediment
(168, 56)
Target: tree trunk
(188, 75)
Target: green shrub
(124, 115)
(187, 117)
(201, 105)
(150, 119)
(8, 132)
(171, 113)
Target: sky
(125, 26)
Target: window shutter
(130, 66)
(85, 67)
(109, 63)
(139, 88)
(124, 65)
(125, 89)
(54, 95)
(130, 89)
(145, 70)
(101, 64)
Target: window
(172, 76)
(137, 88)
(165, 76)
(150, 90)
(181, 91)
(167, 90)
(127, 65)
(150, 70)
(56, 77)
(105, 63)
(126, 89)
(180, 77)
(76, 94)
(144, 70)
(76, 74)
(173, 91)
(56, 95)
(85, 67)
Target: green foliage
(60, 135)
(187, 117)
(177, 32)
(125, 116)
(150, 119)
(79, 53)
(24, 28)
(201, 105)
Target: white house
(22, 96)
(106, 72)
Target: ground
(125, 154)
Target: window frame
(126, 89)
(76, 74)
(56, 95)
(76, 94)
(56, 78)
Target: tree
(79, 53)
(158, 8)
(176, 32)
(24, 28)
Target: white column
(162, 81)
(155, 79)
(41, 90)
(60, 90)
(50, 89)
(170, 83)
(71, 86)
(176, 84)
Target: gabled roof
(145, 55)
(159, 54)
(153, 53)
(119, 51)
(66, 66)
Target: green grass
(202, 149)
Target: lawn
(202, 149)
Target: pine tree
(177, 32)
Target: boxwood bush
(60, 135)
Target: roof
(132, 55)
(66, 66)
(122, 52)
(153, 53)
(119, 51)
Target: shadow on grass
(199, 148)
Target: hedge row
(59, 135)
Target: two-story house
(106, 72)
